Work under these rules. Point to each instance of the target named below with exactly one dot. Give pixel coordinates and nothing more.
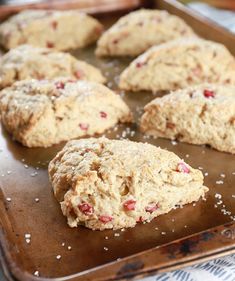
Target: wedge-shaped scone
(178, 64)
(104, 183)
(202, 114)
(43, 113)
(134, 33)
(61, 30)
(27, 62)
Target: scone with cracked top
(136, 32)
(43, 113)
(178, 64)
(61, 30)
(27, 62)
(203, 114)
(103, 184)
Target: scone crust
(64, 29)
(104, 183)
(27, 62)
(43, 113)
(178, 64)
(203, 114)
(136, 32)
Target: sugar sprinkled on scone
(46, 112)
(178, 64)
(61, 30)
(27, 62)
(134, 33)
(203, 114)
(104, 183)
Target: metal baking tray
(195, 233)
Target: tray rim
(224, 244)
(221, 241)
(93, 7)
(185, 13)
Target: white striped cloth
(216, 270)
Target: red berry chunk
(151, 208)
(183, 168)
(20, 25)
(105, 219)
(59, 85)
(129, 205)
(7, 34)
(183, 31)
(140, 219)
(86, 209)
(140, 64)
(157, 19)
(78, 74)
(197, 71)
(115, 41)
(54, 24)
(50, 45)
(84, 126)
(103, 114)
(209, 94)
(71, 81)
(170, 125)
(98, 29)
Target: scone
(46, 112)
(134, 33)
(178, 64)
(61, 30)
(27, 62)
(202, 114)
(104, 183)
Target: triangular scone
(136, 32)
(178, 64)
(202, 114)
(61, 30)
(43, 113)
(27, 62)
(104, 183)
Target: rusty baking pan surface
(35, 238)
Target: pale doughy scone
(202, 114)
(104, 183)
(61, 30)
(43, 113)
(178, 64)
(134, 33)
(27, 62)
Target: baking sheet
(55, 250)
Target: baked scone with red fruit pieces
(61, 30)
(178, 64)
(27, 62)
(136, 32)
(40, 113)
(102, 183)
(202, 114)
